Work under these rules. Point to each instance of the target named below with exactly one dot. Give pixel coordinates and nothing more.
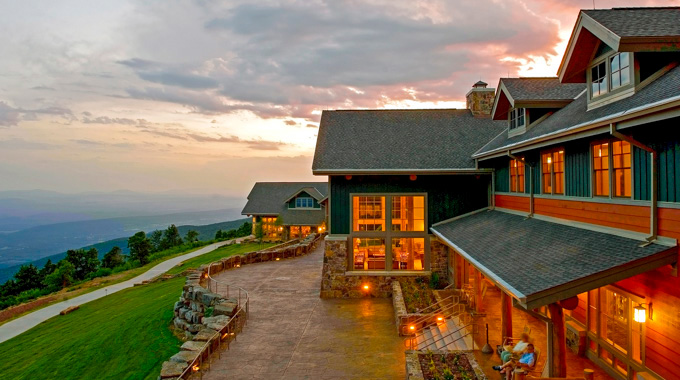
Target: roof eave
(400, 171)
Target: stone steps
(446, 336)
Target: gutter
(531, 183)
(653, 217)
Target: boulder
(210, 299)
(217, 323)
(194, 328)
(205, 335)
(184, 357)
(192, 345)
(69, 309)
(172, 370)
(225, 308)
(180, 323)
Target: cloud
(107, 120)
(137, 63)
(20, 144)
(43, 88)
(256, 144)
(180, 80)
(10, 116)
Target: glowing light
(278, 258)
(348, 177)
(549, 160)
(195, 368)
(366, 287)
(413, 177)
(440, 319)
(411, 327)
(640, 315)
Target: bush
(101, 272)
(434, 280)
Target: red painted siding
(513, 202)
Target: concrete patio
(293, 334)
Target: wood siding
(518, 203)
(577, 169)
(447, 195)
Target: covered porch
(519, 273)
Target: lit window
(621, 168)
(369, 253)
(516, 176)
(304, 202)
(517, 118)
(408, 253)
(619, 65)
(552, 169)
(368, 213)
(619, 175)
(408, 213)
(598, 75)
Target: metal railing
(443, 310)
(412, 344)
(227, 334)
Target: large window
(517, 176)
(612, 169)
(552, 169)
(620, 69)
(517, 118)
(401, 246)
(368, 213)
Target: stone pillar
(506, 315)
(439, 254)
(559, 343)
(334, 267)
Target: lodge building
(564, 193)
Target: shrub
(101, 272)
(434, 280)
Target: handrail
(418, 322)
(228, 333)
(434, 341)
(462, 315)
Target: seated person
(517, 350)
(527, 361)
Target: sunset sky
(211, 96)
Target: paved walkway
(293, 334)
(13, 328)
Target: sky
(212, 96)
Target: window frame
(611, 93)
(524, 173)
(610, 170)
(387, 234)
(552, 171)
(309, 200)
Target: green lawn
(121, 336)
(219, 253)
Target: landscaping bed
(459, 365)
(417, 294)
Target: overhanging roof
(312, 191)
(537, 92)
(540, 262)
(623, 29)
(270, 198)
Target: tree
(113, 258)
(84, 262)
(171, 237)
(62, 276)
(47, 269)
(156, 238)
(218, 235)
(140, 247)
(259, 232)
(192, 236)
(27, 278)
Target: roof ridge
(397, 109)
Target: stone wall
(439, 256)
(336, 283)
(197, 299)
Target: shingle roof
(541, 89)
(576, 113)
(374, 140)
(535, 256)
(269, 198)
(639, 22)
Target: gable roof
(561, 261)
(312, 191)
(400, 141)
(533, 93)
(663, 93)
(269, 198)
(623, 29)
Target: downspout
(654, 220)
(531, 183)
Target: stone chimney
(480, 99)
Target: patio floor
(293, 334)
(492, 308)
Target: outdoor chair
(511, 341)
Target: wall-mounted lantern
(640, 313)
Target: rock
(217, 323)
(194, 328)
(192, 345)
(205, 335)
(210, 299)
(184, 357)
(198, 293)
(225, 308)
(172, 370)
(180, 323)
(69, 309)
(182, 312)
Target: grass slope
(122, 336)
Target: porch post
(506, 315)
(559, 343)
(459, 271)
(478, 290)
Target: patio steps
(446, 336)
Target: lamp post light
(640, 313)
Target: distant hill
(205, 232)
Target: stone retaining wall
(402, 317)
(196, 299)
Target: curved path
(15, 327)
(293, 334)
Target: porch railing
(442, 310)
(216, 343)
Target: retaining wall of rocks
(197, 300)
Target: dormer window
(620, 65)
(599, 75)
(304, 202)
(517, 118)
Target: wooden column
(506, 315)
(478, 290)
(559, 343)
(466, 272)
